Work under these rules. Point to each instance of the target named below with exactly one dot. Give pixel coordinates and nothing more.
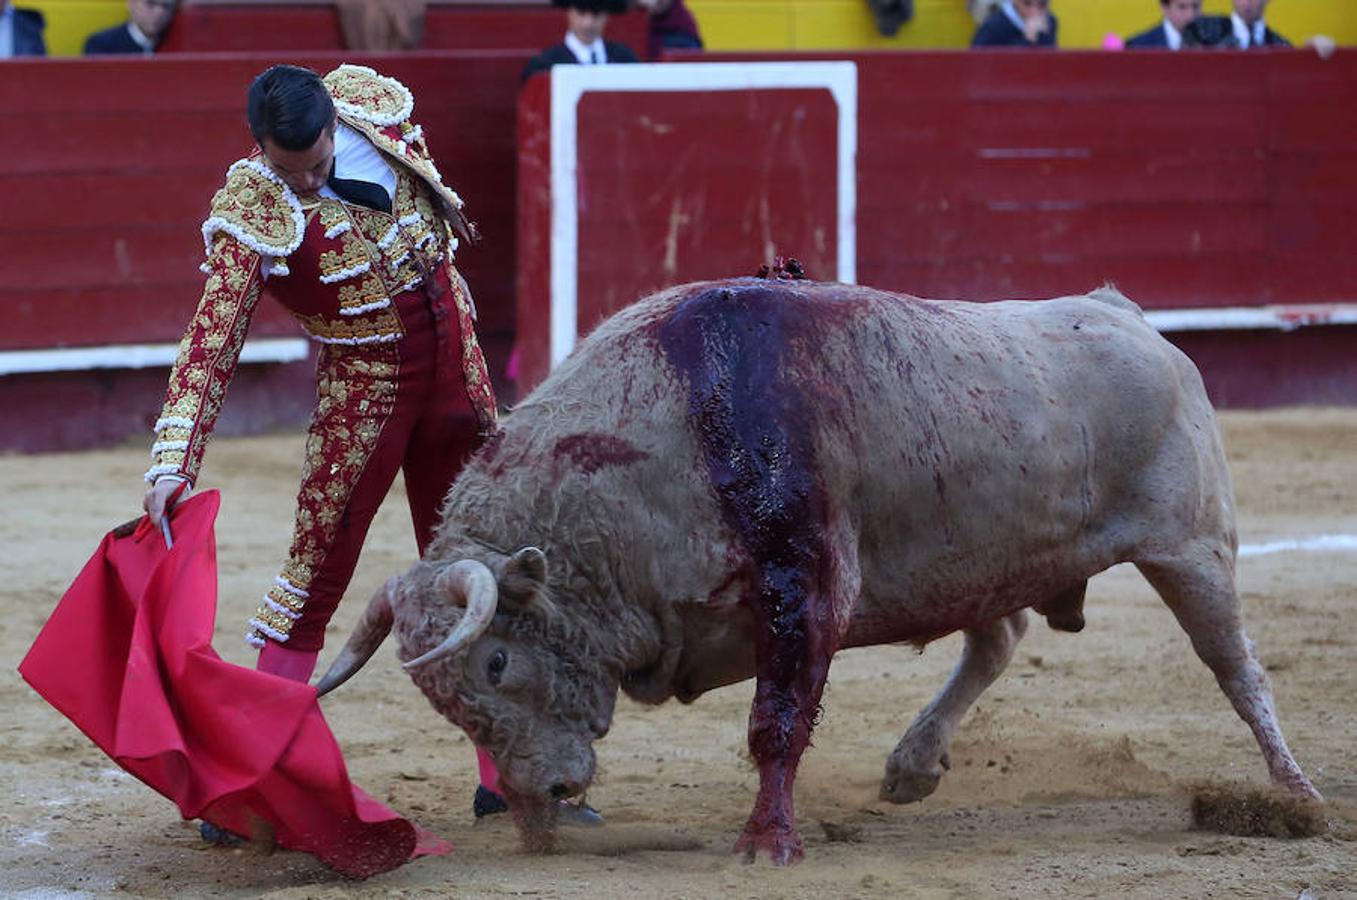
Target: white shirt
(587, 54)
(146, 44)
(1242, 32)
(1173, 36)
(1012, 12)
(356, 158)
(6, 30)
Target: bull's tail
(1109, 294)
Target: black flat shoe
(211, 834)
(487, 803)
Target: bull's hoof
(901, 785)
(783, 847)
(908, 788)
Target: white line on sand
(1323, 543)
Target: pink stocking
(296, 665)
(489, 774)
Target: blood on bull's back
(967, 459)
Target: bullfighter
(342, 216)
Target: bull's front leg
(795, 641)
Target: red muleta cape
(127, 656)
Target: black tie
(363, 193)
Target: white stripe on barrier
(139, 356)
(1320, 543)
(1285, 317)
(570, 83)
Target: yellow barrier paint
(69, 22)
(837, 24)
(940, 24)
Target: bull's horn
(470, 582)
(371, 630)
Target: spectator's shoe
(211, 834)
(891, 14)
(487, 803)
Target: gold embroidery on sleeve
(208, 355)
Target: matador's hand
(160, 498)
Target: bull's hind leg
(916, 766)
(1199, 588)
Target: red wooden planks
(111, 165)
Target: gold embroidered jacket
(335, 266)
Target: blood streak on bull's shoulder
(734, 348)
(590, 451)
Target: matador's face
(305, 171)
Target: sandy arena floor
(1069, 779)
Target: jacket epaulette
(363, 94)
(256, 208)
(380, 107)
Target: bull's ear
(525, 573)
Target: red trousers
(381, 408)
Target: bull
(739, 478)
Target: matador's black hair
(290, 106)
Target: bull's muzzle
(564, 790)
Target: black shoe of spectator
(891, 14)
(487, 803)
(211, 834)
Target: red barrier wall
(1189, 180)
(107, 167)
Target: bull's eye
(494, 669)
